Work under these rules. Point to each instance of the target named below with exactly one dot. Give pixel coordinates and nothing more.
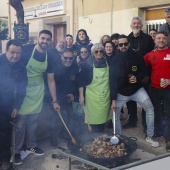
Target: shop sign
(21, 32)
(45, 9)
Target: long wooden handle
(73, 139)
(86, 117)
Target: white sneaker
(152, 141)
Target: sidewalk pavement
(46, 162)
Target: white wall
(100, 24)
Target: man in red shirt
(159, 60)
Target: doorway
(59, 32)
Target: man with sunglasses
(126, 74)
(166, 27)
(66, 74)
(140, 43)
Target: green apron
(98, 97)
(33, 100)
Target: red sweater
(159, 60)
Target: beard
(136, 31)
(61, 49)
(43, 46)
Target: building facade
(98, 17)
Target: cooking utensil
(86, 117)
(130, 146)
(72, 138)
(114, 140)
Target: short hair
(69, 35)
(167, 11)
(152, 30)
(123, 36)
(96, 45)
(85, 48)
(138, 18)
(13, 42)
(108, 36)
(162, 32)
(45, 32)
(115, 36)
(68, 50)
(110, 42)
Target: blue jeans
(143, 99)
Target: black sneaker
(36, 151)
(129, 125)
(18, 160)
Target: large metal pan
(130, 146)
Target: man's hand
(70, 98)
(14, 113)
(56, 107)
(113, 105)
(132, 79)
(165, 83)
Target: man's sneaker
(152, 141)
(168, 146)
(18, 160)
(36, 151)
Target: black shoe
(129, 125)
(18, 160)
(36, 151)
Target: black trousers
(74, 122)
(157, 96)
(5, 136)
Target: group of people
(73, 78)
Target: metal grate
(154, 24)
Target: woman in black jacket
(82, 40)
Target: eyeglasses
(167, 10)
(83, 52)
(68, 58)
(97, 52)
(125, 44)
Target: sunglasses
(68, 58)
(83, 52)
(125, 44)
(167, 10)
(97, 52)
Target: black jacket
(13, 82)
(123, 64)
(66, 81)
(142, 44)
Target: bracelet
(54, 102)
